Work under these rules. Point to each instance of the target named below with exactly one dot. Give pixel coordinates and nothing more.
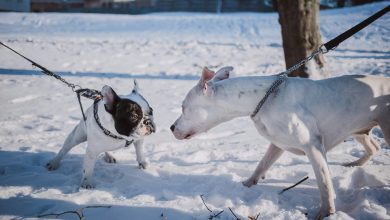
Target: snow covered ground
(165, 52)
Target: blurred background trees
(147, 6)
(299, 20)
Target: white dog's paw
(322, 215)
(250, 182)
(143, 165)
(87, 184)
(109, 158)
(52, 165)
(325, 213)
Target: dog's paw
(109, 158)
(323, 214)
(143, 165)
(250, 182)
(52, 165)
(87, 185)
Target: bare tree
(299, 20)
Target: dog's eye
(147, 122)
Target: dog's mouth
(150, 126)
(189, 136)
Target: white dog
(127, 119)
(302, 116)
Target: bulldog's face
(132, 114)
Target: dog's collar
(106, 131)
(281, 78)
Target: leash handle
(347, 34)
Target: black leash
(347, 34)
(330, 45)
(44, 70)
(87, 93)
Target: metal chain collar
(320, 50)
(284, 75)
(106, 131)
(281, 78)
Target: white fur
(98, 142)
(303, 116)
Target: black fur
(127, 116)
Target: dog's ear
(136, 87)
(206, 76)
(222, 73)
(110, 98)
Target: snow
(165, 52)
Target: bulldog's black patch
(127, 115)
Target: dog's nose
(172, 128)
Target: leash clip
(323, 49)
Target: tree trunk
(299, 20)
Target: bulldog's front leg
(109, 158)
(77, 136)
(88, 166)
(272, 154)
(139, 151)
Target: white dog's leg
(77, 136)
(109, 158)
(88, 166)
(272, 154)
(312, 143)
(325, 185)
(139, 151)
(384, 124)
(369, 145)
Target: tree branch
(78, 212)
(212, 215)
(296, 184)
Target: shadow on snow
(20, 72)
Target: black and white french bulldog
(127, 118)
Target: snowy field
(165, 53)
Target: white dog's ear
(206, 76)
(222, 73)
(110, 98)
(136, 87)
